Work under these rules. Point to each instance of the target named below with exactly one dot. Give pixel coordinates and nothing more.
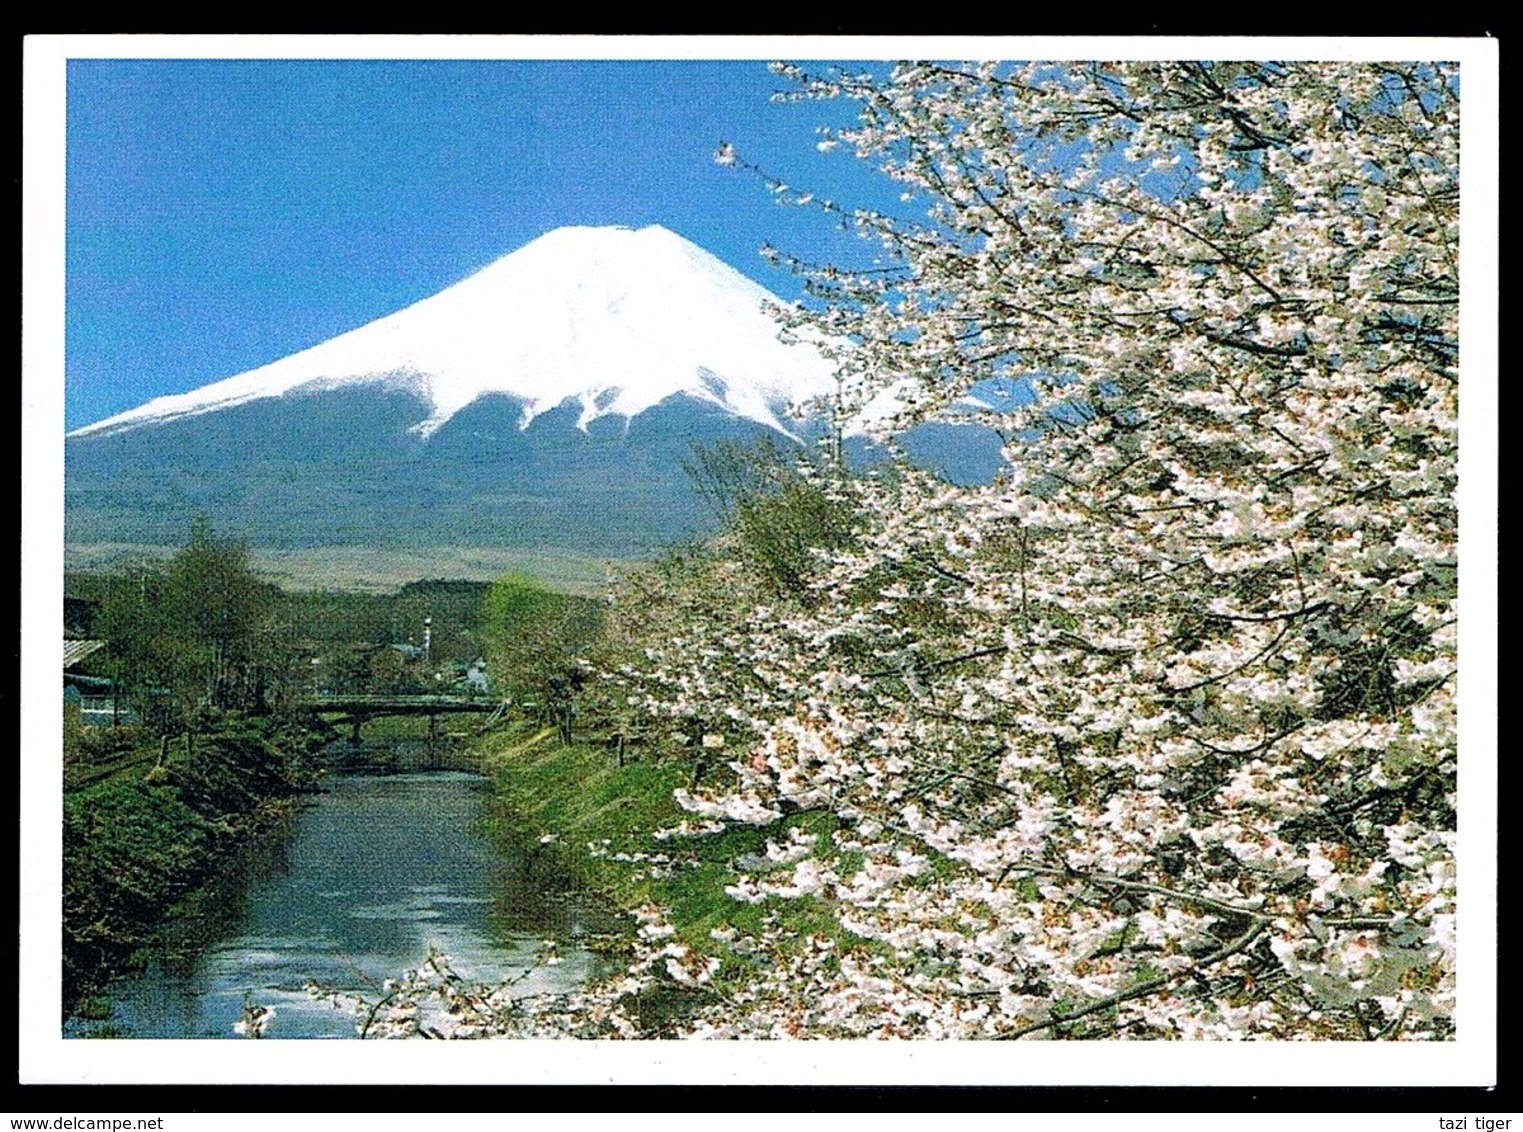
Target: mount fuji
(550, 399)
(614, 319)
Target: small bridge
(359, 709)
(370, 706)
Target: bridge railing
(400, 704)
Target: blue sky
(224, 213)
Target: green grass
(597, 809)
(581, 796)
(135, 843)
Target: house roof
(76, 651)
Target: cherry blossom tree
(1155, 735)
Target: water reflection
(361, 885)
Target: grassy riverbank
(602, 818)
(141, 840)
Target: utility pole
(837, 411)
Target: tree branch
(1142, 989)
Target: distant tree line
(201, 634)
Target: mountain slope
(547, 401)
(615, 319)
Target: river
(354, 889)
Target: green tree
(781, 507)
(201, 633)
(537, 639)
(145, 659)
(226, 623)
(218, 610)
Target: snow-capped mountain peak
(615, 319)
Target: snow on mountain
(617, 319)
